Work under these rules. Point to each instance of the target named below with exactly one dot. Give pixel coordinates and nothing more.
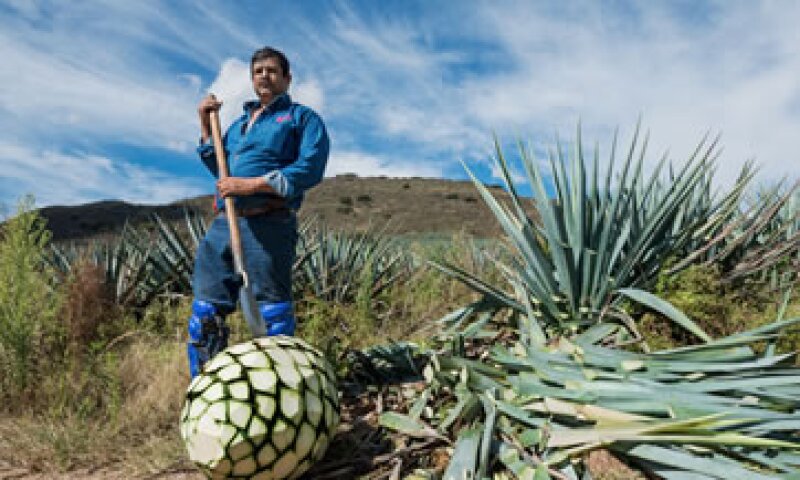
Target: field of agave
(530, 378)
(543, 359)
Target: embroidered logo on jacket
(283, 118)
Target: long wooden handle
(247, 298)
(230, 209)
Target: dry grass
(139, 435)
(154, 381)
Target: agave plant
(173, 253)
(138, 266)
(124, 264)
(333, 266)
(339, 266)
(761, 241)
(599, 231)
(395, 362)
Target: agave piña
(263, 409)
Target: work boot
(208, 335)
(279, 318)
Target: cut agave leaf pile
(263, 409)
(719, 410)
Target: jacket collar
(281, 101)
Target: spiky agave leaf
(389, 363)
(340, 266)
(760, 242)
(716, 410)
(172, 258)
(598, 231)
(138, 265)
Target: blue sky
(98, 98)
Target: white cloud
(517, 177)
(429, 128)
(737, 74)
(232, 87)
(55, 177)
(310, 94)
(50, 95)
(107, 71)
(530, 70)
(385, 92)
(368, 165)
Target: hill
(411, 206)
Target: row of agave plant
(531, 377)
(141, 265)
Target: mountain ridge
(410, 206)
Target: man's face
(268, 79)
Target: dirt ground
(101, 473)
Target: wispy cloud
(232, 87)
(532, 69)
(356, 162)
(395, 82)
(67, 179)
(729, 67)
(59, 86)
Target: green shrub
(717, 307)
(28, 302)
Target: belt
(262, 210)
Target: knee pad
(208, 335)
(279, 318)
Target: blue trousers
(268, 242)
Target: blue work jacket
(287, 145)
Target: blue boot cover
(279, 318)
(208, 335)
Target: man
(276, 151)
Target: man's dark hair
(269, 52)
